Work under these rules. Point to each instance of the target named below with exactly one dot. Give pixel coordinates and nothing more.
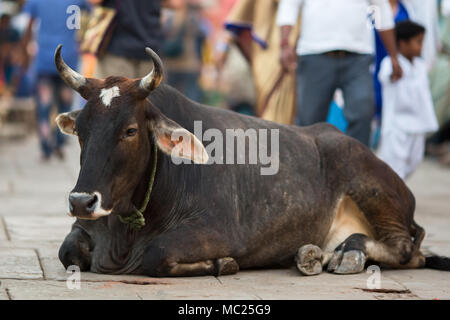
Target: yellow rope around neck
(136, 221)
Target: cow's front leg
(76, 249)
(157, 263)
(186, 252)
(217, 267)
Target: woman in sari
(257, 36)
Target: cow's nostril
(92, 203)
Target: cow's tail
(438, 263)
(431, 262)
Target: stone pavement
(33, 223)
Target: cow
(331, 204)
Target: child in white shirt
(408, 112)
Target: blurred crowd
(377, 69)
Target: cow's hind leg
(351, 256)
(348, 220)
(388, 206)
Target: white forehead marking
(108, 94)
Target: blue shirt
(53, 30)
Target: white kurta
(329, 25)
(408, 114)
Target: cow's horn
(151, 81)
(72, 78)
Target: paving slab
(39, 205)
(52, 267)
(44, 185)
(198, 291)
(148, 288)
(47, 251)
(53, 290)
(3, 293)
(17, 263)
(428, 171)
(30, 244)
(5, 185)
(3, 232)
(436, 229)
(187, 288)
(290, 284)
(38, 228)
(424, 283)
(160, 289)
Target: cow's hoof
(226, 266)
(335, 260)
(309, 260)
(349, 262)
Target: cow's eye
(131, 132)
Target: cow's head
(116, 130)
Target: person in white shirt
(336, 48)
(408, 112)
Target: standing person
(336, 48)
(408, 107)
(8, 39)
(137, 25)
(184, 36)
(51, 90)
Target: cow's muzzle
(86, 205)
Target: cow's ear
(177, 142)
(66, 122)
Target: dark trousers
(318, 77)
(51, 92)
